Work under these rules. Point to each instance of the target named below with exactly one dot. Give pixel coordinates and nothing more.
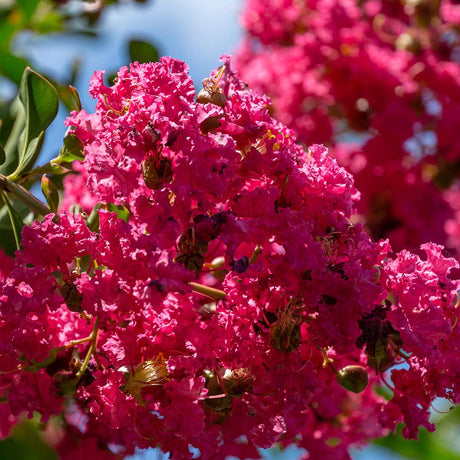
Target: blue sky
(196, 31)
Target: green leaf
(51, 194)
(40, 101)
(93, 220)
(75, 97)
(2, 155)
(16, 221)
(71, 150)
(121, 211)
(25, 442)
(12, 67)
(28, 7)
(440, 445)
(35, 366)
(142, 51)
(7, 236)
(10, 140)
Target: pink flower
(222, 291)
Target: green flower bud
(353, 378)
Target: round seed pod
(218, 98)
(204, 96)
(353, 378)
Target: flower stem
(215, 294)
(255, 254)
(92, 348)
(72, 343)
(24, 195)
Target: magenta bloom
(379, 82)
(225, 299)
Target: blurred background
(67, 42)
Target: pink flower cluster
(230, 303)
(380, 81)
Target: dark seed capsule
(71, 296)
(218, 98)
(157, 172)
(204, 96)
(210, 124)
(353, 378)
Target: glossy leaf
(142, 51)
(93, 220)
(51, 193)
(40, 102)
(16, 120)
(71, 150)
(15, 220)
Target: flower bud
(72, 297)
(238, 381)
(218, 401)
(149, 373)
(156, 172)
(353, 378)
(207, 310)
(204, 96)
(210, 124)
(218, 98)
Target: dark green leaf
(12, 67)
(16, 221)
(71, 150)
(10, 139)
(2, 155)
(142, 51)
(51, 194)
(40, 102)
(35, 366)
(7, 239)
(93, 220)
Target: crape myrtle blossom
(230, 303)
(378, 81)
